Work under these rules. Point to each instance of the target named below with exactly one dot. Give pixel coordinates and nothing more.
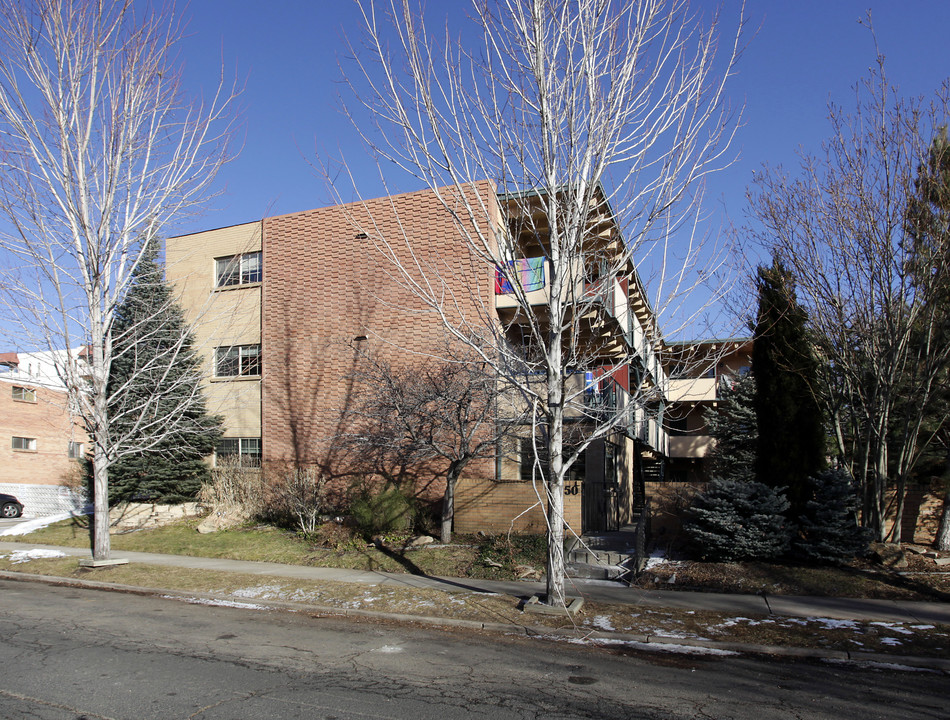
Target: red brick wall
(45, 420)
(324, 286)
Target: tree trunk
(448, 501)
(555, 595)
(101, 545)
(943, 531)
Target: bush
(233, 490)
(382, 512)
(829, 527)
(295, 497)
(736, 520)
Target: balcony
(690, 446)
(534, 276)
(692, 390)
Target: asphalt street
(79, 653)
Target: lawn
(495, 557)
(488, 557)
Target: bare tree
(450, 412)
(100, 152)
(597, 122)
(841, 226)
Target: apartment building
(698, 371)
(42, 440)
(286, 307)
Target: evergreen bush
(376, 513)
(829, 531)
(735, 520)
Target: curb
(859, 658)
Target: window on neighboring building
(24, 443)
(23, 394)
(237, 361)
(238, 269)
(75, 450)
(242, 452)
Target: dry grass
(484, 557)
(921, 580)
(671, 625)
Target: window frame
(245, 360)
(28, 394)
(29, 442)
(239, 270)
(74, 450)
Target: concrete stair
(602, 556)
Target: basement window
(239, 452)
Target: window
(241, 452)
(24, 444)
(528, 464)
(75, 451)
(22, 394)
(238, 270)
(237, 361)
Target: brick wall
(499, 506)
(48, 423)
(326, 284)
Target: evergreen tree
(928, 226)
(157, 408)
(738, 520)
(829, 527)
(733, 426)
(791, 445)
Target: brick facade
(47, 423)
(330, 297)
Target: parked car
(10, 507)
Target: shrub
(383, 512)
(736, 520)
(295, 497)
(829, 526)
(233, 489)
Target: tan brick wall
(507, 505)
(221, 316)
(48, 422)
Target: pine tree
(829, 527)
(791, 444)
(738, 520)
(158, 412)
(733, 426)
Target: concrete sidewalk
(903, 611)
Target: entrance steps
(603, 556)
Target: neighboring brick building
(42, 441)
(284, 308)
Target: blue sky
(799, 55)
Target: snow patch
(217, 603)
(262, 592)
(25, 528)
(602, 622)
(895, 627)
(389, 649)
(22, 556)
